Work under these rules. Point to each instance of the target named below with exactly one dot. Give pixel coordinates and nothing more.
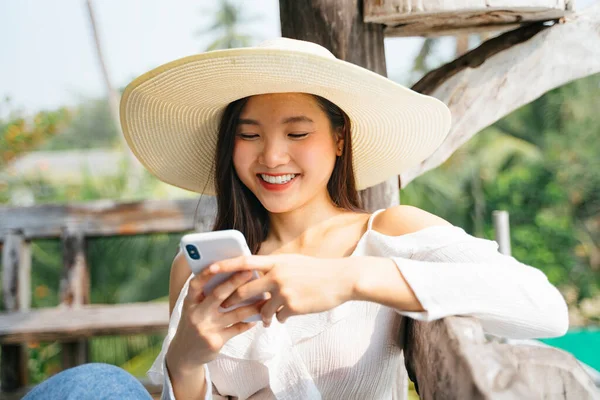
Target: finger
(243, 263)
(196, 287)
(238, 315)
(283, 314)
(270, 308)
(253, 288)
(236, 329)
(225, 289)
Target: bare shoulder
(180, 272)
(402, 219)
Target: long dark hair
(238, 208)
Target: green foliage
(19, 134)
(227, 21)
(92, 127)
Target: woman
(284, 135)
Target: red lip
(274, 187)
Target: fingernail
(214, 268)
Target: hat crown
(296, 45)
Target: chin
(280, 206)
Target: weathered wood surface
(74, 291)
(75, 280)
(109, 218)
(339, 26)
(69, 323)
(443, 17)
(451, 359)
(16, 296)
(488, 83)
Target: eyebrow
(288, 120)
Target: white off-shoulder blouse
(352, 351)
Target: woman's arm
(462, 276)
(179, 382)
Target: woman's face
(284, 150)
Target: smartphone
(203, 249)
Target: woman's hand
(297, 284)
(203, 329)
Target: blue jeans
(90, 381)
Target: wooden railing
(447, 359)
(74, 319)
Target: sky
(48, 59)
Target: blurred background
(59, 143)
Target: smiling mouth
(279, 179)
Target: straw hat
(170, 115)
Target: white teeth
(279, 180)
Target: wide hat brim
(170, 115)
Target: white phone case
(217, 246)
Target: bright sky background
(47, 55)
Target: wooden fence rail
(75, 320)
(447, 359)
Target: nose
(274, 153)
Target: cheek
(242, 157)
(320, 158)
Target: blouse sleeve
(454, 273)
(158, 371)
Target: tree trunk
(338, 26)
(134, 167)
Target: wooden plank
(68, 323)
(352, 40)
(505, 73)
(16, 295)
(443, 17)
(451, 359)
(109, 218)
(74, 291)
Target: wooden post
(16, 296)
(338, 26)
(74, 291)
(502, 231)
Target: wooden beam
(474, 59)
(506, 73)
(352, 40)
(16, 296)
(452, 359)
(444, 17)
(109, 218)
(69, 323)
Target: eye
(297, 135)
(248, 136)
